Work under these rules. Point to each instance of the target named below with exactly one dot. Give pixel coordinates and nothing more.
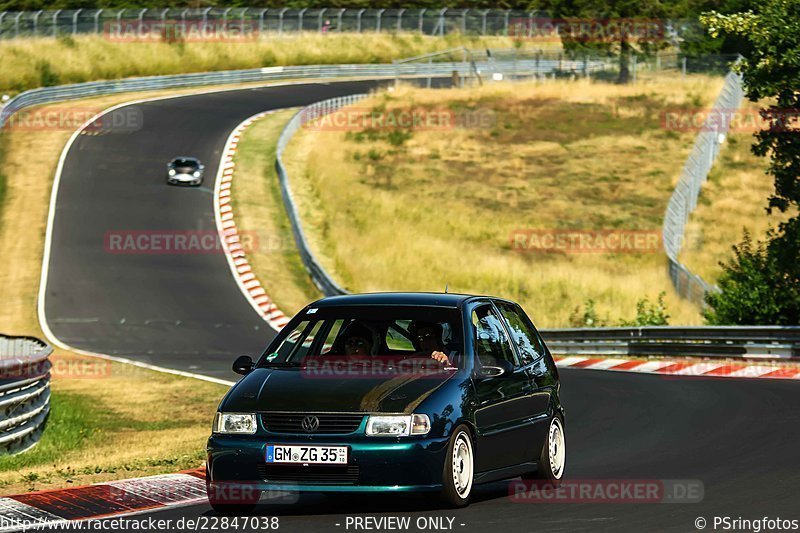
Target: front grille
(311, 474)
(329, 423)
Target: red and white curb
(229, 234)
(676, 367)
(129, 496)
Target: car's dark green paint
(508, 415)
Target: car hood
(294, 390)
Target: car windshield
(184, 163)
(379, 333)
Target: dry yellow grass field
(29, 63)
(398, 209)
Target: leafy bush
(648, 314)
(754, 289)
(588, 318)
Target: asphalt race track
(737, 437)
(178, 310)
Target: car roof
(194, 159)
(436, 299)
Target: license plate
(333, 455)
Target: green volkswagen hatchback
(390, 392)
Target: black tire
(458, 475)
(552, 470)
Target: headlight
(196, 174)
(398, 426)
(172, 172)
(236, 423)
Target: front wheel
(459, 468)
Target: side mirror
(243, 365)
(500, 367)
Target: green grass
(94, 433)
(75, 422)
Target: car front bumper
(183, 179)
(374, 464)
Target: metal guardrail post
(378, 20)
(36, 23)
(358, 18)
(75, 21)
(55, 22)
(280, 19)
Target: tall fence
(24, 392)
(59, 22)
(684, 198)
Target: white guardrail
(437, 69)
(24, 392)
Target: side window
(491, 341)
(530, 347)
(396, 339)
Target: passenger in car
(427, 339)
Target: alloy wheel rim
(462, 465)
(556, 448)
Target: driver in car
(427, 338)
(357, 340)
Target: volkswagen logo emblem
(310, 424)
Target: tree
(608, 12)
(771, 73)
(753, 290)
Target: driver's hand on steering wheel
(441, 357)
